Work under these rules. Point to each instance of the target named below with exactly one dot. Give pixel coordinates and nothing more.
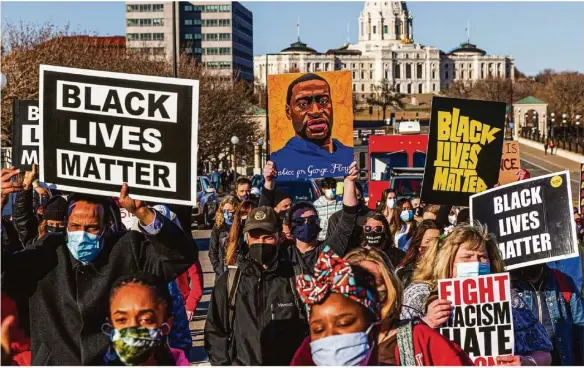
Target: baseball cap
(262, 218)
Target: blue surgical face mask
(228, 216)
(341, 350)
(330, 193)
(406, 215)
(472, 269)
(306, 233)
(84, 246)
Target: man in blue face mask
(69, 282)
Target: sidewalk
(572, 156)
(198, 354)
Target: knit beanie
(280, 195)
(56, 209)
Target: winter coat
(357, 235)
(24, 219)
(430, 349)
(193, 292)
(69, 300)
(268, 324)
(180, 333)
(217, 244)
(326, 209)
(338, 241)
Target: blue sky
(538, 34)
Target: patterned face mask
(134, 345)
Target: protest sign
(510, 163)
(481, 322)
(464, 149)
(305, 140)
(532, 219)
(25, 134)
(102, 129)
(581, 199)
(127, 218)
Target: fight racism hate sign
(481, 322)
(532, 219)
(102, 129)
(25, 134)
(464, 149)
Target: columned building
(386, 53)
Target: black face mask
(264, 254)
(55, 229)
(375, 240)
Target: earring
(107, 328)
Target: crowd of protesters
(297, 283)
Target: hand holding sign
(8, 186)
(135, 207)
(270, 174)
(349, 190)
(29, 177)
(438, 312)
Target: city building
(386, 51)
(219, 35)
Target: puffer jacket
(326, 209)
(268, 325)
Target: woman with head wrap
(344, 313)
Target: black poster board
(25, 134)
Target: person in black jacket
(10, 240)
(305, 224)
(69, 281)
(266, 324)
(362, 215)
(220, 233)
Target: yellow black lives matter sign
(464, 149)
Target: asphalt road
(537, 163)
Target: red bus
(392, 151)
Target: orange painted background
(281, 129)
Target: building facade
(219, 35)
(386, 51)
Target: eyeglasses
(305, 102)
(310, 220)
(372, 229)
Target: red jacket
(430, 348)
(193, 295)
(20, 342)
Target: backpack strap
(564, 285)
(233, 279)
(405, 344)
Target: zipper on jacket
(273, 312)
(538, 301)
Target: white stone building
(386, 51)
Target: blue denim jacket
(568, 323)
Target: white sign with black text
(102, 129)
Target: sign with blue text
(101, 129)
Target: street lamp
(577, 131)
(564, 127)
(261, 145)
(234, 141)
(553, 115)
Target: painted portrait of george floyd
(311, 124)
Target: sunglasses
(310, 220)
(372, 229)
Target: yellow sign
(556, 181)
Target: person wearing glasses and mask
(305, 227)
(309, 107)
(377, 235)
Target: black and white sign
(101, 129)
(532, 219)
(481, 322)
(25, 134)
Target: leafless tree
(384, 95)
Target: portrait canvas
(311, 124)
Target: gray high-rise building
(219, 35)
